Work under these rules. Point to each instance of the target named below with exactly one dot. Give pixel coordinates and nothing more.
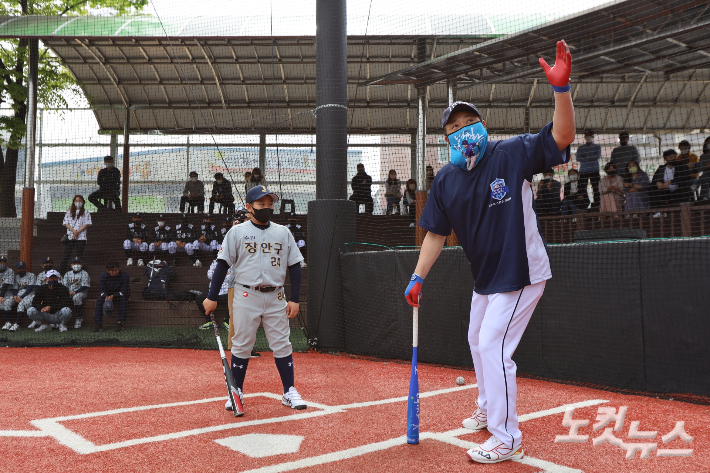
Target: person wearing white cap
(51, 304)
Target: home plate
(262, 445)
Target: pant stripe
(502, 360)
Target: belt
(261, 288)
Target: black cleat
(97, 328)
(119, 327)
(255, 354)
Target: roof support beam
(214, 72)
(113, 79)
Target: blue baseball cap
(48, 259)
(455, 107)
(257, 192)
(21, 265)
(76, 259)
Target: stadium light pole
(28, 193)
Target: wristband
(561, 90)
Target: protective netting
(246, 95)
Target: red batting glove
(414, 290)
(558, 75)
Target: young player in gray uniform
(259, 254)
(185, 239)
(135, 244)
(77, 281)
(24, 286)
(40, 280)
(7, 284)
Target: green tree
(55, 82)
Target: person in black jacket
(548, 195)
(109, 181)
(361, 184)
(207, 239)
(136, 242)
(222, 193)
(575, 196)
(114, 289)
(51, 304)
(671, 182)
(163, 239)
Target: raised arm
(563, 124)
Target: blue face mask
(467, 145)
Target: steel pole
(421, 139)
(126, 160)
(28, 193)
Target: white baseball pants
(170, 247)
(130, 245)
(496, 327)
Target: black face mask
(263, 215)
(611, 172)
(22, 273)
(52, 283)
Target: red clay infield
(125, 410)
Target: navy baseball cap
(21, 265)
(48, 259)
(76, 259)
(455, 107)
(257, 192)
(3, 258)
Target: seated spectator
(40, 280)
(222, 194)
(256, 179)
(163, 240)
(393, 192)
(611, 188)
(193, 194)
(588, 156)
(136, 243)
(185, 237)
(7, 287)
(76, 220)
(221, 299)
(23, 294)
(51, 304)
(298, 235)
(636, 188)
(361, 184)
(575, 196)
(704, 166)
(207, 238)
(688, 158)
(78, 282)
(114, 290)
(410, 200)
(671, 182)
(622, 154)
(226, 225)
(109, 181)
(547, 201)
(429, 177)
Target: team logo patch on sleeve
(498, 189)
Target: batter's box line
(52, 428)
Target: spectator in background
(76, 220)
(429, 177)
(51, 304)
(163, 240)
(547, 201)
(109, 181)
(136, 242)
(686, 157)
(588, 156)
(410, 200)
(25, 285)
(193, 194)
(671, 181)
(78, 282)
(704, 166)
(114, 290)
(623, 154)
(222, 298)
(298, 235)
(393, 192)
(7, 286)
(361, 184)
(247, 178)
(185, 236)
(611, 188)
(256, 179)
(636, 188)
(575, 196)
(222, 194)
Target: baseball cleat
(494, 451)
(129, 262)
(140, 262)
(255, 354)
(477, 421)
(14, 328)
(62, 328)
(293, 400)
(206, 325)
(43, 328)
(224, 325)
(78, 322)
(198, 264)
(33, 324)
(7, 326)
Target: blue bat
(413, 398)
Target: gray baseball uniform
(27, 301)
(259, 258)
(73, 281)
(7, 277)
(22, 284)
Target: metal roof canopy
(638, 65)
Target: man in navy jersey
(485, 195)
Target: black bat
(237, 406)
